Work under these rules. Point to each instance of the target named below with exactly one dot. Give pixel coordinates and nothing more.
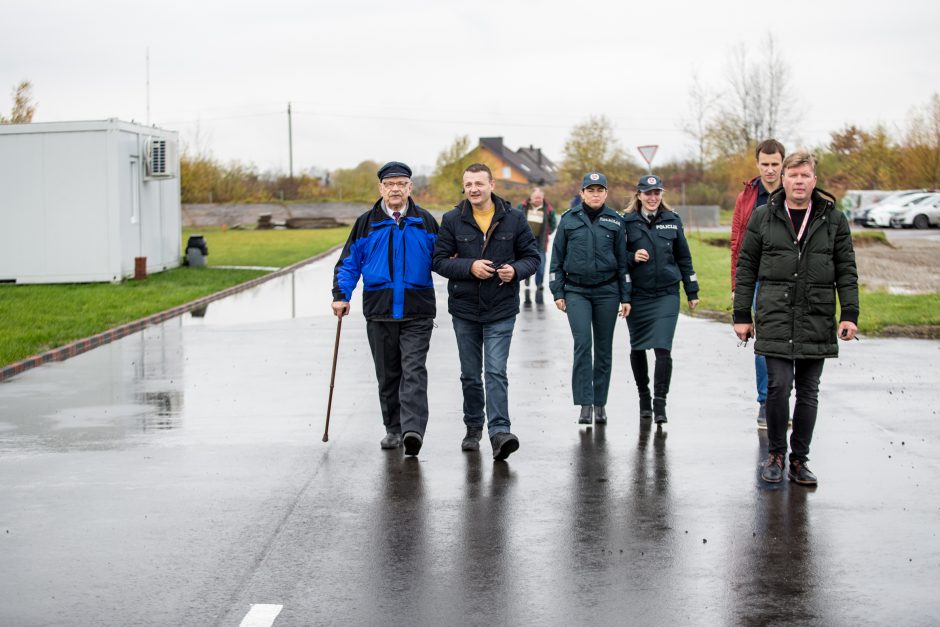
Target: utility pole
(290, 143)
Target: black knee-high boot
(641, 375)
(662, 375)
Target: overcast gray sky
(385, 80)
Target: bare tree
(702, 102)
(23, 105)
(758, 103)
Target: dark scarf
(593, 214)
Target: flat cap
(394, 168)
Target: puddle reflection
(294, 295)
(101, 399)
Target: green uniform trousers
(592, 315)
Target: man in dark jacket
(769, 155)
(484, 248)
(390, 248)
(541, 217)
(799, 247)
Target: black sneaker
(528, 298)
(391, 440)
(600, 415)
(539, 297)
(773, 468)
(800, 474)
(586, 415)
(504, 444)
(471, 441)
(412, 441)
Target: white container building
(79, 201)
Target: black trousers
(400, 351)
(781, 376)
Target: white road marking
(261, 615)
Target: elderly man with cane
(390, 247)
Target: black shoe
(391, 440)
(600, 415)
(471, 441)
(659, 410)
(773, 468)
(503, 445)
(528, 298)
(412, 441)
(800, 474)
(646, 405)
(585, 417)
(539, 297)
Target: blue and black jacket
(670, 259)
(394, 261)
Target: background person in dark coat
(589, 282)
(484, 248)
(799, 247)
(390, 248)
(660, 260)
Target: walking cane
(329, 403)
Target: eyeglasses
(396, 184)
(743, 343)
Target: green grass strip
(37, 318)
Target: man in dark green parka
(799, 247)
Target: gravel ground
(907, 266)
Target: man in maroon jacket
(769, 154)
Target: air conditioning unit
(162, 158)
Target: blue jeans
(760, 364)
(484, 347)
(539, 273)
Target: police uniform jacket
(394, 261)
(589, 254)
(796, 302)
(460, 242)
(670, 259)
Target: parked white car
(880, 215)
(920, 216)
(860, 214)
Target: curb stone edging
(87, 343)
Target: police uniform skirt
(652, 321)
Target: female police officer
(659, 259)
(589, 282)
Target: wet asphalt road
(177, 477)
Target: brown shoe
(773, 468)
(800, 474)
